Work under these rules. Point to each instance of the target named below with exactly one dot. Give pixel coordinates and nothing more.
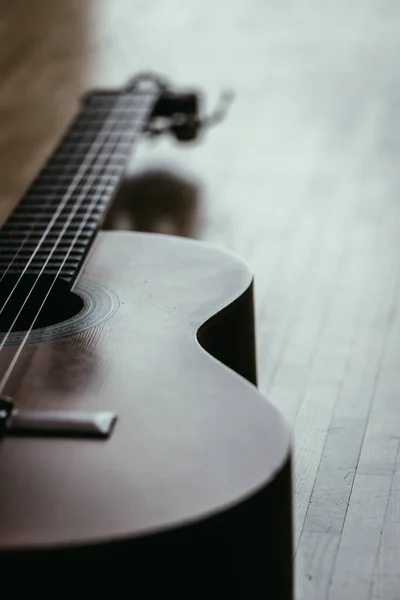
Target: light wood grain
(302, 180)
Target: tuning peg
(179, 115)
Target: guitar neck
(53, 226)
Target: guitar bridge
(86, 424)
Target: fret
(58, 231)
(62, 209)
(69, 169)
(119, 133)
(75, 147)
(95, 167)
(23, 259)
(35, 238)
(119, 118)
(98, 99)
(49, 184)
(76, 159)
(65, 169)
(28, 246)
(27, 227)
(38, 267)
(81, 199)
(100, 114)
(91, 148)
(41, 199)
(9, 250)
(66, 154)
(57, 253)
(130, 124)
(119, 129)
(63, 273)
(135, 105)
(45, 212)
(51, 193)
(27, 214)
(20, 262)
(108, 170)
(19, 224)
(33, 228)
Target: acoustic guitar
(136, 453)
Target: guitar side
(193, 489)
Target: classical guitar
(135, 449)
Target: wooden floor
(303, 180)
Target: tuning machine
(179, 114)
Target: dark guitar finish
(191, 494)
(196, 476)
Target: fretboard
(53, 226)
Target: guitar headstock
(142, 83)
(173, 112)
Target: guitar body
(191, 493)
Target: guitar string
(70, 190)
(64, 167)
(36, 220)
(82, 196)
(160, 85)
(88, 215)
(89, 211)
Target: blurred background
(301, 179)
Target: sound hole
(21, 301)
